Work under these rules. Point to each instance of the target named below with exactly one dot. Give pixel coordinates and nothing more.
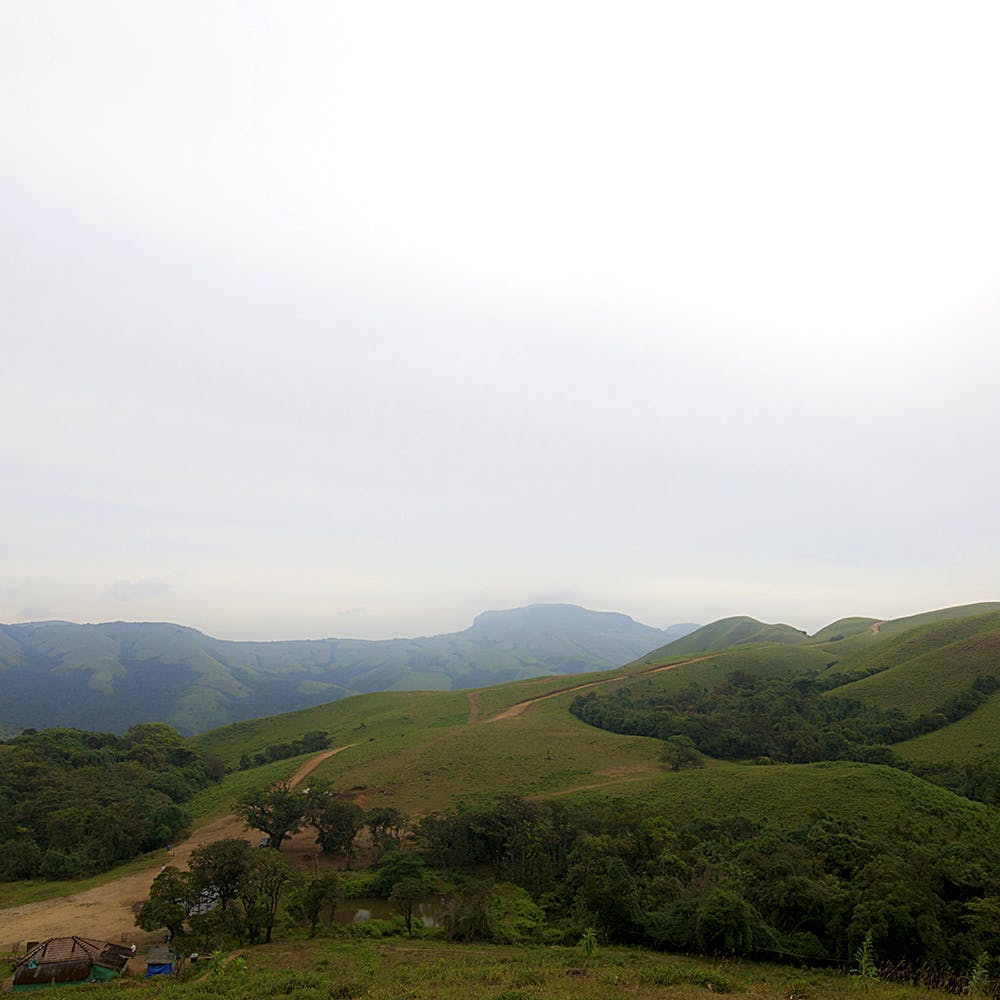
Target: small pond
(428, 911)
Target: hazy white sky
(359, 318)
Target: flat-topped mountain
(112, 675)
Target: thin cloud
(138, 590)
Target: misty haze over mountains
(112, 675)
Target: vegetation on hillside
(732, 885)
(545, 872)
(791, 720)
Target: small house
(68, 960)
(159, 962)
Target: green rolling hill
(435, 748)
(725, 634)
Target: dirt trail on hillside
(623, 775)
(876, 626)
(108, 911)
(473, 697)
(520, 707)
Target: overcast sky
(356, 319)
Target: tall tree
(277, 810)
(307, 901)
(386, 826)
(219, 869)
(337, 819)
(170, 897)
(260, 892)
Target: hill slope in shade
(112, 675)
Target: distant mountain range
(110, 676)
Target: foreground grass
(402, 969)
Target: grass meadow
(405, 969)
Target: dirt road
(108, 911)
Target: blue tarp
(167, 969)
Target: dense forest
(733, 885)
(798, 721)
(73, 803)
(516, 871)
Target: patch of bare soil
(641, 771)
(473, 697)
(108, 911)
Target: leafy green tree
(407, 891)
(170, 897)
(386, 826)
(20, 857)
(308, 900)
(513, 916)
(603, 887)
(157, 745)
(260, 891)
(392, 868)
(680, 751)
(218, 870)
(336, 819)
(277, 810)
(725, 922)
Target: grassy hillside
(433, 970)
(970, 740)
(885, 800)
(844, 628)
(725, 634)
(919, 668)
(423, 753)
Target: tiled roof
(66, 949)
(73, 950)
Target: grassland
(420, 751)
(882, 799)
(920, 668)
(974, 738)
(726, 634)
(400, 969)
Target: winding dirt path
(107, 911)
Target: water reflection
(428, 911)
